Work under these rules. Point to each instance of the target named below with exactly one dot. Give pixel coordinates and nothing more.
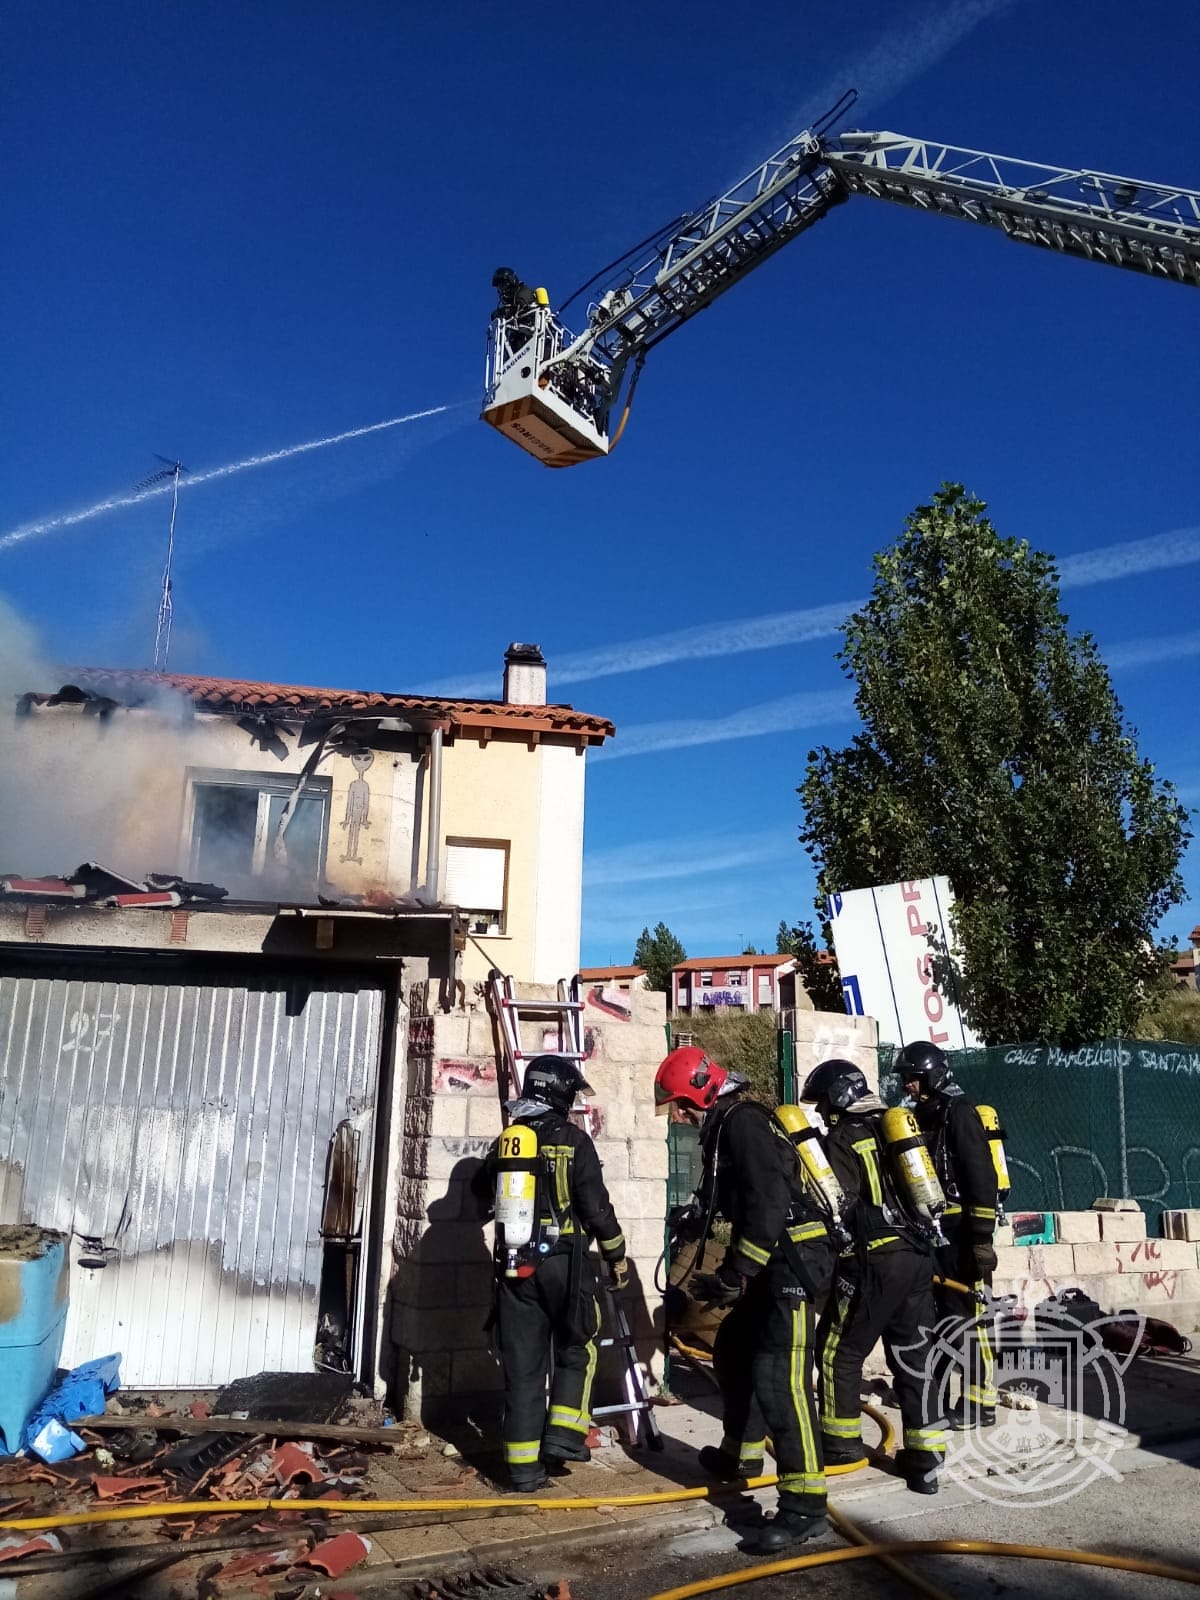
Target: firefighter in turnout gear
(776, 1271)
(545, 1282)
(962, 1159)
(884, 1283)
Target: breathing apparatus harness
(704, 1204)
(910, 1200)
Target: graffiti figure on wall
(358, 805)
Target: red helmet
(689, 1076)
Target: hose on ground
(851, 1531)
(930, 1547)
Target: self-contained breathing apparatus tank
(913, 1167)
(818, 1176)
(990, 1118)
(517, 1169)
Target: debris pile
(143, 1453)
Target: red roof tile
(598, 974)
(243, 695)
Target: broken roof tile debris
(95, 884)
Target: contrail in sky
(809, 709)
(814, 708)
(1150, 652)
(31, 530)
(1157, 553)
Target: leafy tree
(817, 967)
(658, 952)
(751, 950)
(994, 750)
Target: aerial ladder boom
(558, 394)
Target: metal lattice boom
(1125, 222)
(554, 392)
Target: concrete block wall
(825, 1035)
(1107, 1255)
(440, 1359)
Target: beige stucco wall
(532, 800)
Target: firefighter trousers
(887, 1295)
(762, 1358)
(556, 1304)
(977, 1362)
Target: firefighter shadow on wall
(439, 1302)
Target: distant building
(613, 977)
(741, 983)
(1185, 964)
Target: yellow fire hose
(851, 1531)
(953, 1283)
(840, 1521)
(886, 1553)
(929, 1547)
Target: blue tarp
(81, 1393)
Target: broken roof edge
(103, 690)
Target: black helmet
(840, 1083)
(554, 1080)
(926, 1063)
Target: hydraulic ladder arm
(556, 394)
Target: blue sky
(232, 229)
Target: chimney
(524, 675)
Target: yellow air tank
(990, 1118)
(913, 1168)
(814, 1164)
(516, 1196)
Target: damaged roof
(294, 702)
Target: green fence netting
(1119, 1117)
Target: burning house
(233, 919)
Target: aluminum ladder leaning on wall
(566, 1013)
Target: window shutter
(475, 876)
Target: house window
(765, 996)
(239, 840)
(735, 979)
(706, 980)
(477, 882)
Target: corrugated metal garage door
(186, 1124)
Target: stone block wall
(825, 1035)
(439, 1362)
(1108, 1256)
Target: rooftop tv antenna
(162, 632)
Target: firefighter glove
(686, 1222)
(717, 1289)
(985, 1260)
(620, 1274)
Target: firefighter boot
(919, 1469)
(966, 1414)
(556, 1452)
(785, 1528)
(725, 1468)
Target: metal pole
(1121, 1124)
(433, 852)
(162, 633)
